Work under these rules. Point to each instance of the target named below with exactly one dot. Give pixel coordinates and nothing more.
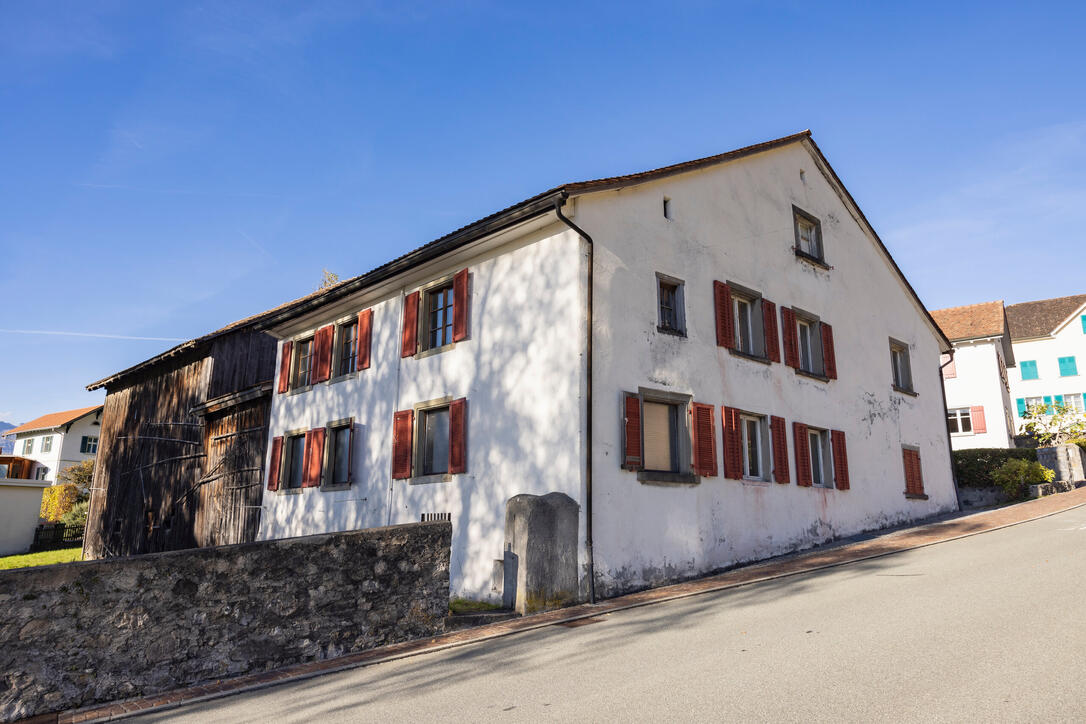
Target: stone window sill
(902, 390)
(653, 477)
(422, 354)
(436, 478)
(916, 496)
(812, 375)
(751, 357)
(334, 488)
(670, 331)
(813, 260)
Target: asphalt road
(987, 628)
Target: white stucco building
(976, 378)
(1049, 339)
(718, 361)
(58, 440)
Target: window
(1074, 402)
(438, 322)
(914, 478)
(1068, 368)
(749, 325)
(40, 473)
(808, 235)
(47, 443)
(1031, 402)
(670, 301)
(346, 348)
(295, 463)
(1029, 369)
(899, 363)
(809, 360)
(661, 430)
(339, 463)
(303, 363)
(667, 208)
(821, 467)
(28, 446)
(753, 431)
(434, 436)
(958, 421)
(3, 471)
(88, 445)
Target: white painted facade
(981, 380)
(57, 448)
(523, 372)
(1067, 340)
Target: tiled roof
(1040, 318)
(53, 419)
(971, 321)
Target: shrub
(77, 515)
(56, 500)
(974, 467)
(1016, 475)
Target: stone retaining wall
(80, 633)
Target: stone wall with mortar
(94, 631)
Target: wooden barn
(182, 445)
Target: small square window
(808, 231)
(40, 473)
(434, 441)
(900, 366)
(1029, 369)
(958, 421)
(295, 462)
(346, 348)
(303, 363)
(821, 466)
(672, 315)
(88, 445)
(1068, 367)
(437, 322)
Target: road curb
(786, 567)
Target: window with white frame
(47, 443)
(821, 460)
(1032, 402)
(28, 446)
(958, 421)
(672, 314)
(346, 347)
(808, 234)
(88, 445)
(749, 325)
(809, 341)
(900, 366)
(438, 320)
(1073, 401)
(754, 436)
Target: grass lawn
(44, 558)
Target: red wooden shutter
(769, 324)
(632, 456)
(460, 306)
(314, 458)
(914, 479)
(780, 449)
(733, 454)
(788, 330)
(976, 415)
(829, 357)
(704, 440)
(725, 323)
(284, 367)
(276, 460)
(950, 366)
(409, 341)
(840, 459)
(458, 436)
(403, 426)
(322, 353)
(365, 338)
(803, 454)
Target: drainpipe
(949, 448)
(558, 203)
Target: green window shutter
(1068, 367)
(1021, 406)
(1048, 400)
(1058, 399)
(1029, 369)
(1084, 323)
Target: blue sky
(166, 168)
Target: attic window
(667, 208)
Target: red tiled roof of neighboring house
(972, 321)
(53, 419)
(1040, 318)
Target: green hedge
(974, 467)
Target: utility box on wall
(540, 562)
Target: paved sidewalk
(887, 544)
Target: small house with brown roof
(58, 440)
(975, 377)
(1049, 339)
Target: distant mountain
(7, 446)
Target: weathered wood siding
(167, 479)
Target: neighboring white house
(1049, 338)
(718, 361)
(58, 440)
(975, 378)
